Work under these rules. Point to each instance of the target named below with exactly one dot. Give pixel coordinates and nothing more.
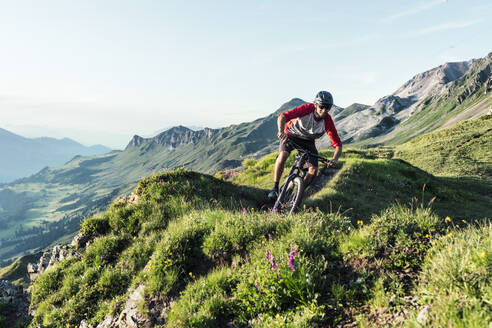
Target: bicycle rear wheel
(290, 196)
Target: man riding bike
(299, 128)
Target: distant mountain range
(430, 100)
(21, 157)
(58, 198)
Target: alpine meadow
(177, 229)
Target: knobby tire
(290, 197)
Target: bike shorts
(301, 145)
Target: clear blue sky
(102, 71)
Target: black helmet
(324, 99)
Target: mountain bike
(291, 191)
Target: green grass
(456, 281)
(203, 244)
(462, 150)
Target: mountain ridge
(21, 156)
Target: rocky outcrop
(174, 137)
(481, 79)
(391, 105)
(15, 301)
(56, 254)
(131, 317)
(49, 259)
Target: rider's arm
(336, 143)
(281, 127)
(336, 155)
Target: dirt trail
(320, 181)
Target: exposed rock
(130, 317)
(16, 303)
(79, 241)
(49, 259)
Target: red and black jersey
(302, 123)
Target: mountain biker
(299, 128)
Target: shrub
(237, 232)
(295, 272)
(178, 256)
(206, 301)
(95, 226)
(104, 250)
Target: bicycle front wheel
(290, 196)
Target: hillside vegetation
(206, 257)
(463, 150)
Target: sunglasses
(327, 108)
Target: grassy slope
(368, 182)
(199, 243)
(463, 150)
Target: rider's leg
(279, 166)
(310, 175)
(277, 173)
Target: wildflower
(258, 287)
(270, 237)
(293, 252)
(191, 274)
(450, 234)
(463, 221)
(360, 222)
(275, 209)
(271, 259)
(483, 254)
(277, 316)
(427, 236)
(447, 219)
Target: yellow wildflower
(360, 222)
(483, 254)
(450, 234)
(447, 219)
(427, 236)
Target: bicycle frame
(297, 172)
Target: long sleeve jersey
(302, 123)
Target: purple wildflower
(293, 253)
(258, 287)
(270, 237)
(271, 259)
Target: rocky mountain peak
(431, 81)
